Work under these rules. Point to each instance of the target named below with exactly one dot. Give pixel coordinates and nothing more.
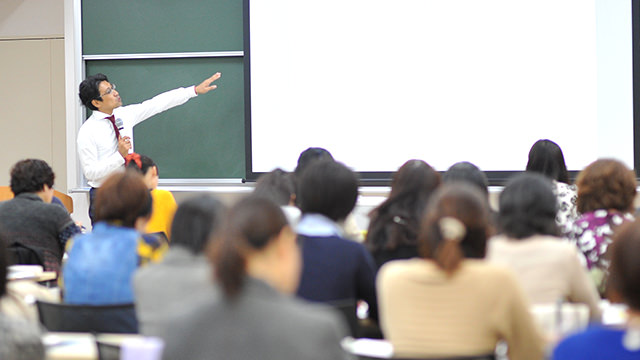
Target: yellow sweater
(423, 313)
(164, 207)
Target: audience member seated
(183, 277)
(394, 225)
(30, 223)
(467, 172)
(257, 264)
(546, 158)
(451, 302)
(606, 191)
(278, 186)
(19, 338)
(548, 268)
(308, 157)
(100, 266)
(164, 204)
(334, 268)
(620, 342)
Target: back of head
(277, 186)
(328, 188)
(606, 184)
(467, 172)
(414, 177)
(309, 156)
(528, 207)
(624, 282)
(139, 163)
(31, 175)
(122, 199)
(251, 224)
(88, 89)
(455, 226)
(195, 221)
(546, 157)
(396, 221)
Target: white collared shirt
(318, 225)
(97, 143)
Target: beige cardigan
(548, 270)
(424, 313)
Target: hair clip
(452, 228)
(398, 220)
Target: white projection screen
(380, 82)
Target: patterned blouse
(567, 196)
(592, 234)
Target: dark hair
(467, 172)
(328, 188)
(195, 222)
(31, 175)
(145, 163)
(396, 221)
(606, 184)
(89, 90)
(276, 185)
(546, 157)
(251, 224)
(123, 198)
(467, 205)
(625, 264)
(309, 156)
(3, 265)
(528, 207)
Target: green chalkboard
(161, 26)
(203, 138)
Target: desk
(79, 346)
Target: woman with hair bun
(257, 265)
(450, 302)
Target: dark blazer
(334, 268)
(260, 323)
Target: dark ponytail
(455, 226)
(251, 225)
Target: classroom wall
(32, 91)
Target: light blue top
(318, 225)
(100, 266)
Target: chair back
(119, 318)
(347, 308)
(19, 254)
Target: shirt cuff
(194, 90)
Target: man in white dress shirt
(105, 138)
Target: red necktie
(115, 128)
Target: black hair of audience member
(3, 266)
(528, 207)
(546, 157)
(195, 222)
(328, 188)
(311, 155)
(123, 199)
(276, 185)
(30, 175)
(250, 225)
(396, 221)
(606, 184)
(131, 162)
(89, 89)
(467, 172)
(466, 204)
(624, 283)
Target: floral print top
(567, 196)
(592, 233)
